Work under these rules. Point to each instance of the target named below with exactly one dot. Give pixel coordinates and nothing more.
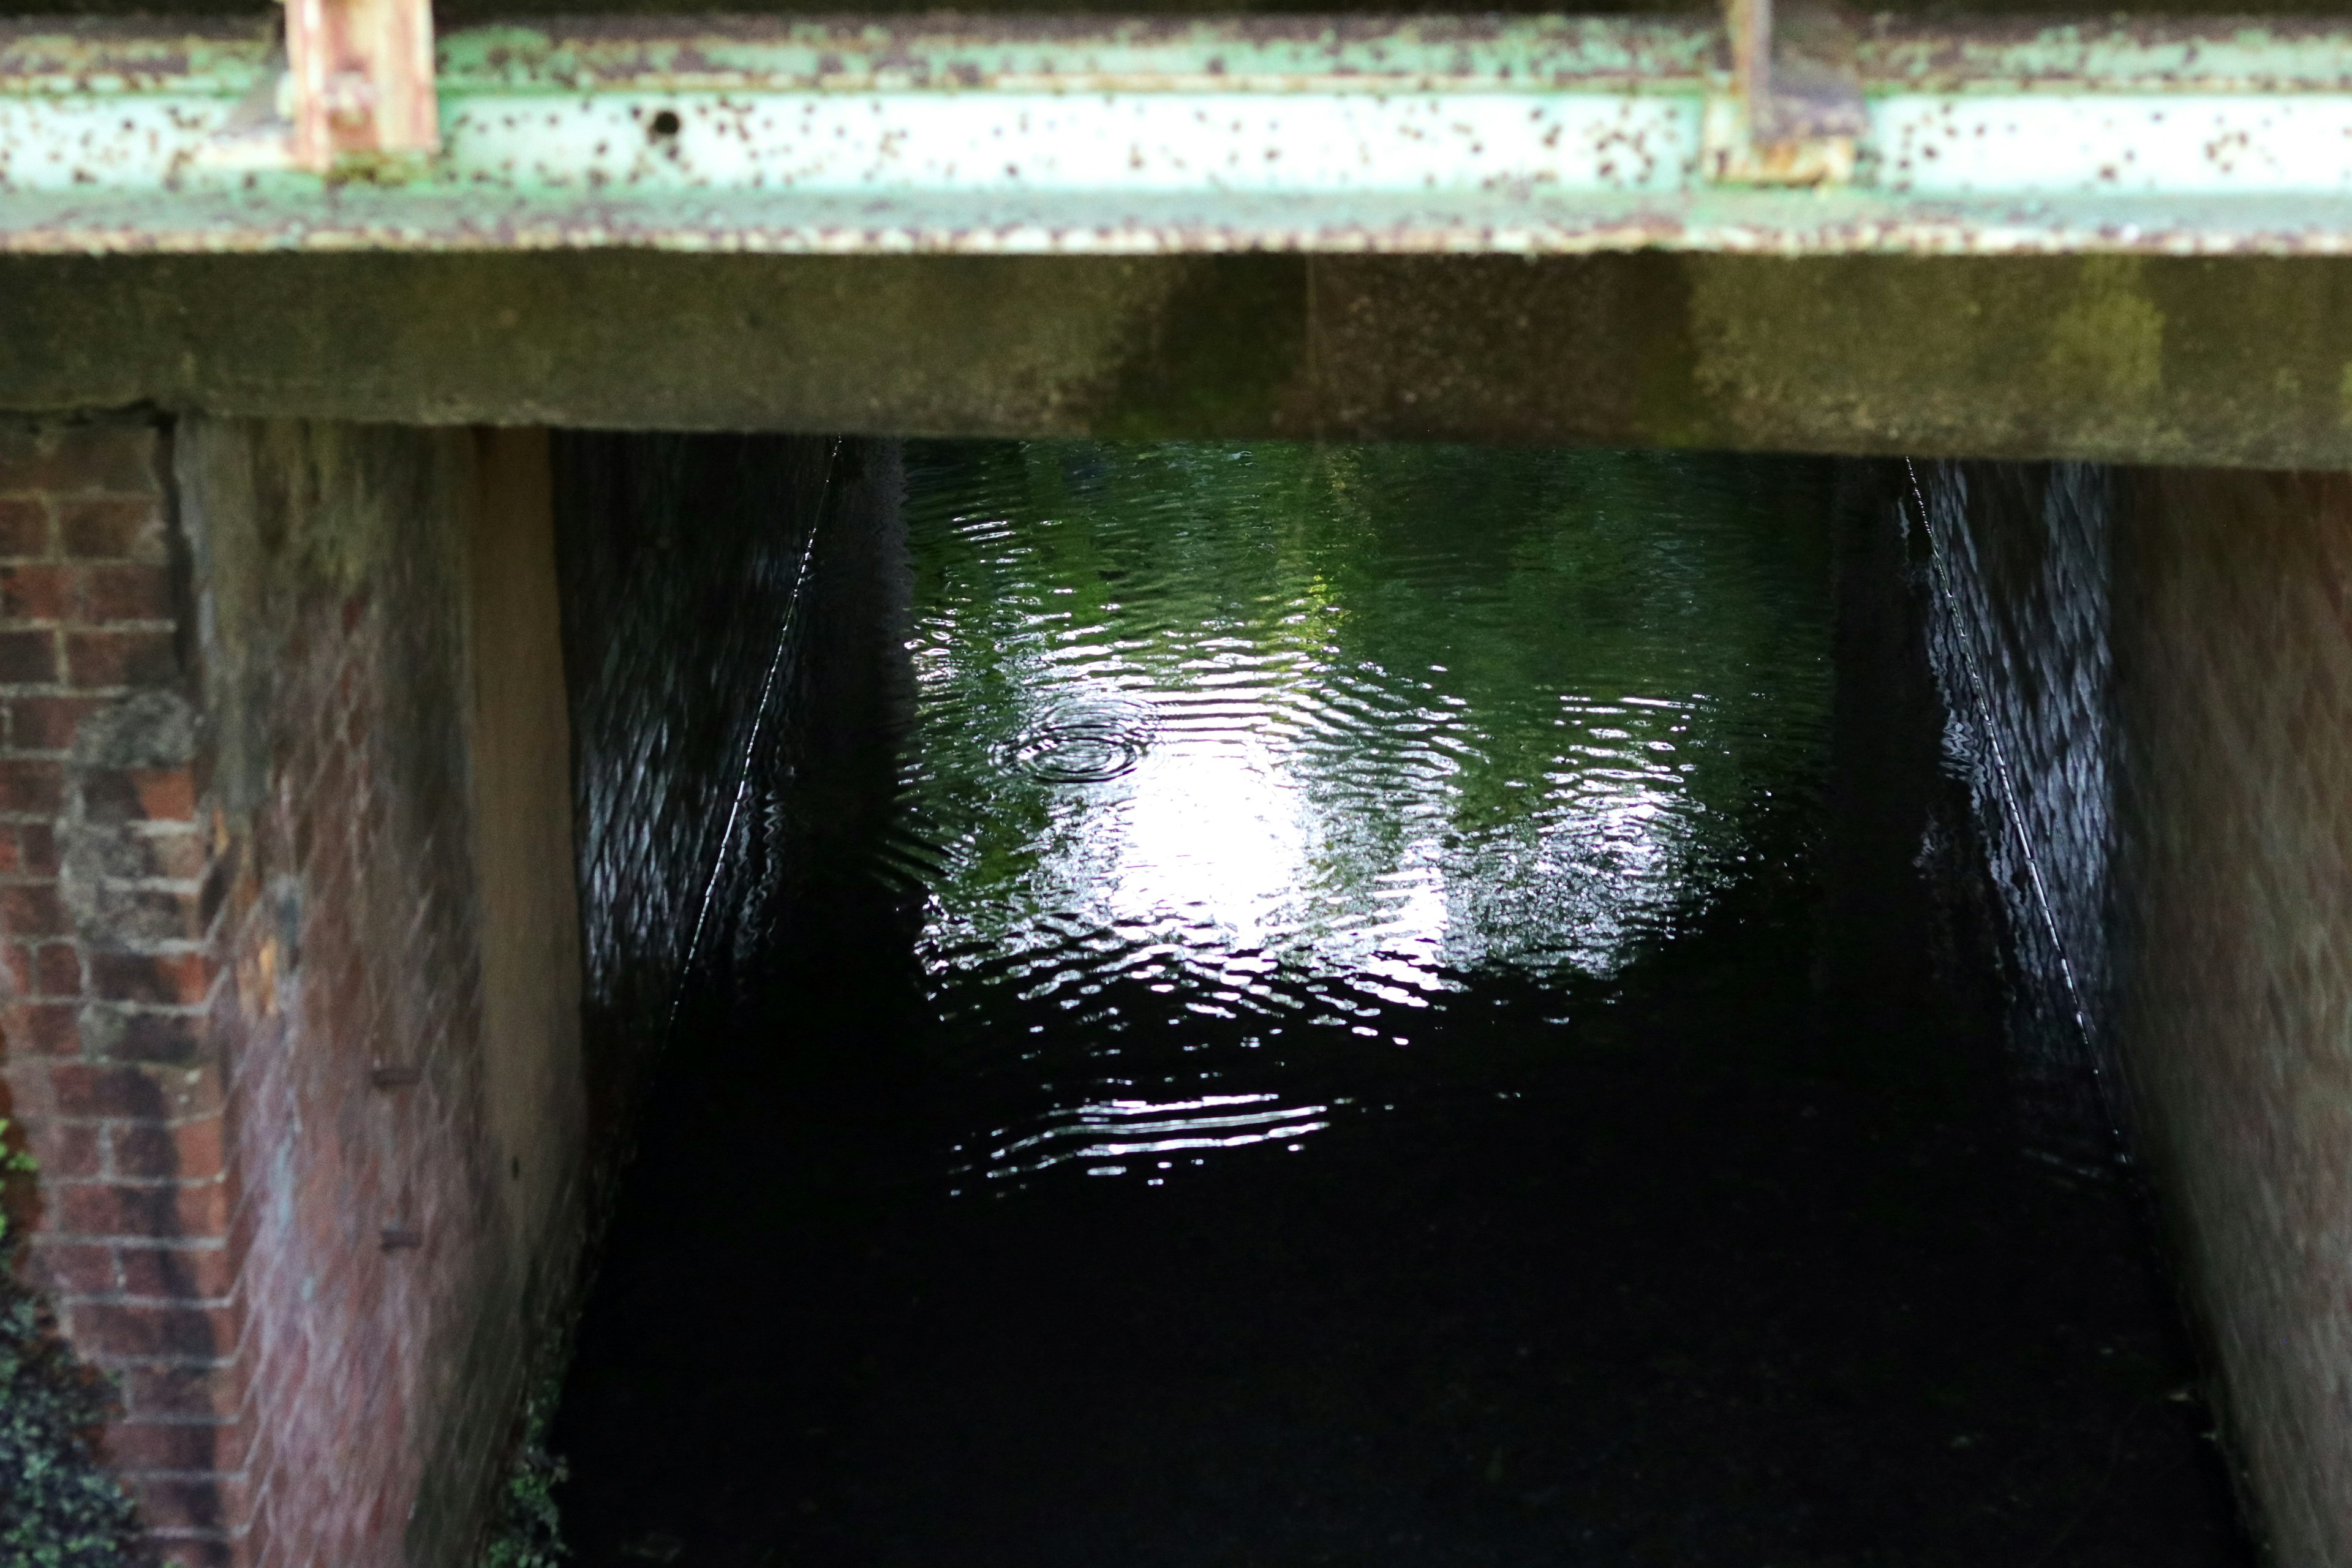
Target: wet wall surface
(2012, 564)
(687, 565)
(1363, 1037)
(2146, 668)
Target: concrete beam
(2242, 361)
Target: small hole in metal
(665, 124)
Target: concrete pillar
(292, 962)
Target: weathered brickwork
(2162, 660)
(2233, 663)
(108, 977)
(305, 1188)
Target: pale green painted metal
(1400, 134)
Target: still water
(1327, 1060)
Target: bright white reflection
(1351, 862)
(1238, 762)
(1121, 1130)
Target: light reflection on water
(1236, 764)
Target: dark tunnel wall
(2148, 674)
(2012, 566)
(705, 580)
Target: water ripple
(1237, 761)
(1085, 743)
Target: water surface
(1326, 1063)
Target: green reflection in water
(1224, 743)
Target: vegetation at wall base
(526, 1533)
(525, 1530)
(58, 1507)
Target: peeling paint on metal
(1549, 134)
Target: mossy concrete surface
(2231, 361)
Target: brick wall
(2233, 663)
(108, 973)
(277, 696)
(2162, 660)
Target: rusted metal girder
(358, 88)
(1536, 134)
(1795, 108)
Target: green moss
(1219, 353)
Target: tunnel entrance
(1285, 1004)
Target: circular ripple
(1086, 742)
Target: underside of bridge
(345, 890)
(2240, 362)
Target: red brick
(25, 527)
(35, 592)
(138, 795)
(190, 1149)
(16, 960)
(33, 910)
(183, 979)
(37, 849)
(165, 795)
(136, 1446)
(101, 660)
(126, 594)
(68, 1151)
(185, 1210)
(72, 1268)
(178, 1273)
(32, 788)
(107, 457)
(202, 1551)
(179, 1391)
(152, 1334)
(57, 968)
(113, 529)
(134, 1093)
(44, 1028)
(47, 723)
(192, 1504)
(29, 658)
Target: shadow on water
(1340, 1058)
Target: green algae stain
(2344, 398)
(2107, 340)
